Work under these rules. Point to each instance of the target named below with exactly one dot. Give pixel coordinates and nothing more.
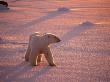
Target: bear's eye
(48, 36)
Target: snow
(87, 23)
(63, 9)
(83, 55)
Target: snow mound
(63, 9)
(2, 8)
(87, 23)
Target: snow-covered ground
(83, 55)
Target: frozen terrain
(83, 55)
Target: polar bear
(38, 45)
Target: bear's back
(36, 40)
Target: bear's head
(51, 38)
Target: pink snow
(83, 55)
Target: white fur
(39, 44)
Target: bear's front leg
(39, 59)
(27, 53)
(48, 56)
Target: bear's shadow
(74, 32)
(22, 72)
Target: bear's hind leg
(32, 58)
